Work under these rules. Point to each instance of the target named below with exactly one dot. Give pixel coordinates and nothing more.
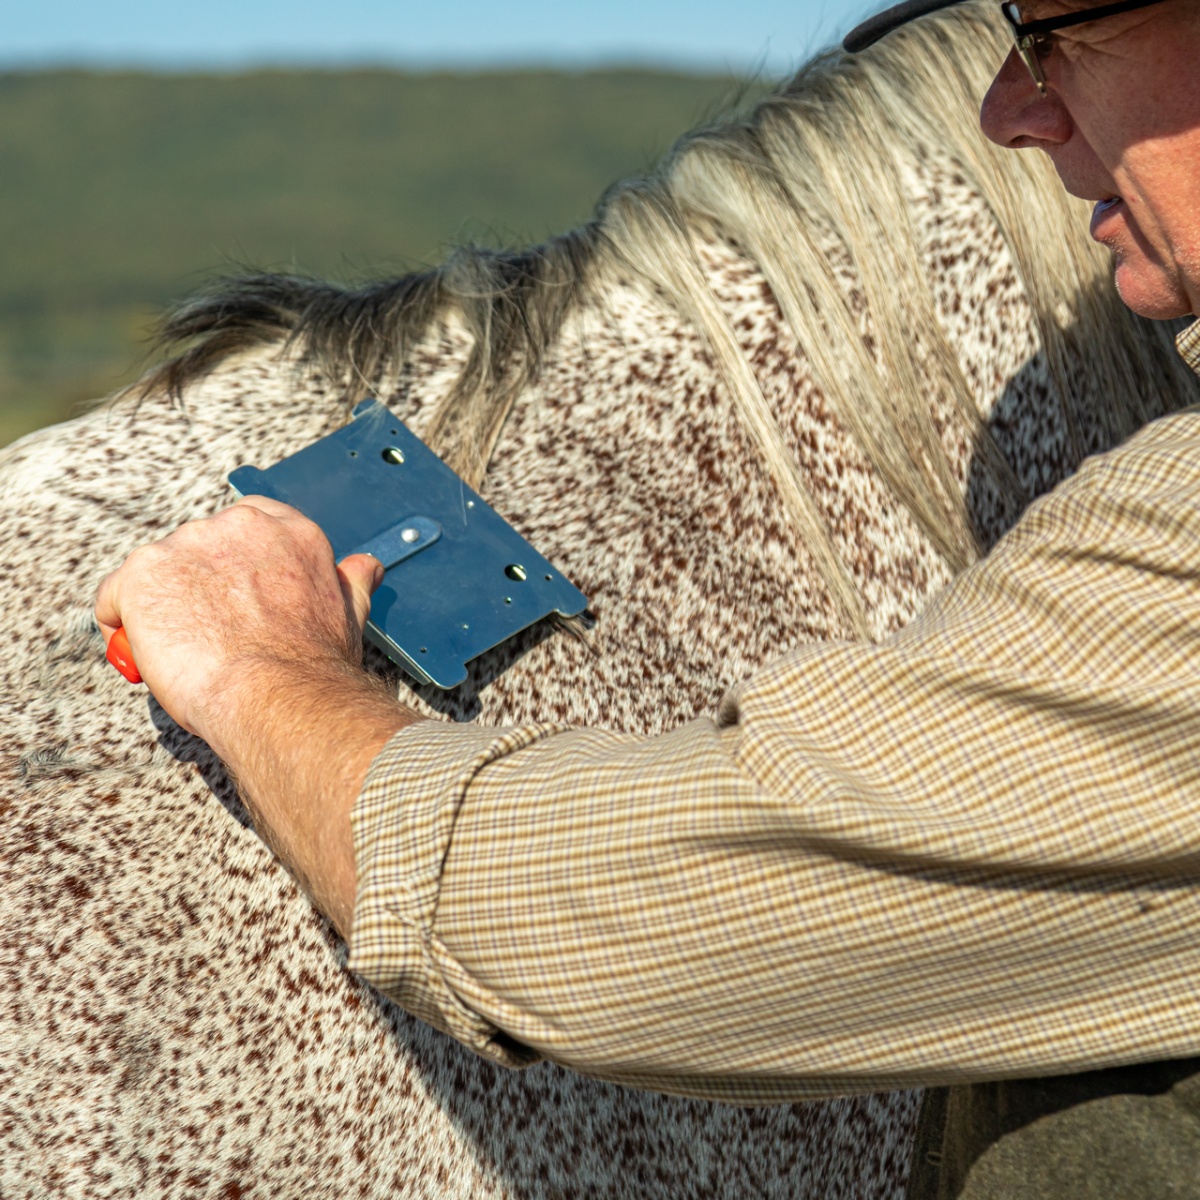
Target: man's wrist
(299, 738)
(263, 696)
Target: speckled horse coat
(177, 1020)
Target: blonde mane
(822, 161)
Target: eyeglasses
(1032, 37)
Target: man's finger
(360, 575)
(108, 614)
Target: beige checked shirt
(970, 851)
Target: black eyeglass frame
(1029, 35)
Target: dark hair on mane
(513, 304)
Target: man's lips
(1104, 217)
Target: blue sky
(736, 34)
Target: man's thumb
(360, 575)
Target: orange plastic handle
(121, 656)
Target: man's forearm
(299, 739)
(250, 636)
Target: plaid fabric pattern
(970, 851)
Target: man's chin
(1147, 290)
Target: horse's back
(182, 1020)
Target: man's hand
(250, 636)
(255, 583)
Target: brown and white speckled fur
(177, 1020)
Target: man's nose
(1015, 114)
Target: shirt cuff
(403, 822)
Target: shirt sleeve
(967, 852)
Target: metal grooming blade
(458, 579)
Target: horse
(779, 391)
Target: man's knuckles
(144, 561)
(278, 525)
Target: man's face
(1121, 123)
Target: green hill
(122, 192)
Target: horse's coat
(178, 1021)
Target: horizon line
(609, 59)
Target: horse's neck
(628, 466)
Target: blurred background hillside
(145, 147)
(123, 192)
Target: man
(969, 853)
